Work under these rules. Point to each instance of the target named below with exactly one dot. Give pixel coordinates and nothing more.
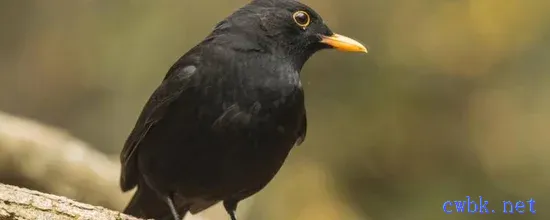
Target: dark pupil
(301, 18)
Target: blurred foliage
(452, 99)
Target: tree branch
(48, 159)
(22, 204)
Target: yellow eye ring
(301, 18)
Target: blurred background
(451, 101)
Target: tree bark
(22, 204)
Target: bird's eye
(301, 18)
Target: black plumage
(228, 112)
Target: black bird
(226, 115)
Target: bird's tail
(147, 204)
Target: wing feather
(173, 85)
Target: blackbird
(226, 115)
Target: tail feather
(148, 205)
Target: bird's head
(286, 26)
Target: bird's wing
(173, 85)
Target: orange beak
(343, 43)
